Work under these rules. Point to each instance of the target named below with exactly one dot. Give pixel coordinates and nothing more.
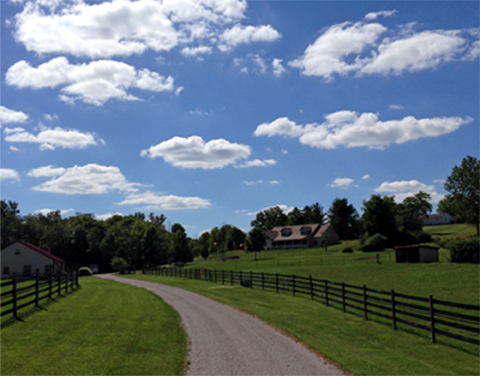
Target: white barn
(437, 219)
(23, 259)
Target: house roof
(38, 249)
(435, 216)
(276, 233)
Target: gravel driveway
(225, 341)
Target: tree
(464, 187)
(255, 240)
(419, 203)
(270, 218)
(379, 217)
(10, 221)
(344, 219)
(180, 249)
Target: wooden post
(311, 286)
(343, 297)
(251, 279)
(365, 306)
(293, 284)
(50, 285)
(263, 281)
(432, 317)
(59, 278)
(394, 318)
(240, 276)
(326, 292)
(231, 278)
(14, 294)
(276, 283)
(37, 286)
(223, 277)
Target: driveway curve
(225, 341)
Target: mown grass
(358, 346)
(104, 328)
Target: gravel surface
(225, 341)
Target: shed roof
(296, 232)
(38, 249)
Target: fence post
(251, 278)
(37, 286)
(240, 277)
(311, 286)
(231, 278)
(365, 306)
(59, 278)
(66, 282)
(432, 317)
(276, 283)
(14, 294)
(293, 284)
(343, 297)
(326, 292)
(223, 277)
(50, 286)
(263, 281)
(394, 318)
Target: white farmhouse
(23, 259)
(437, 219)
(300, 236)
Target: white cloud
(252, 62)
(13, 148)
(94, 83)
(365, 177)
(124, 27)
(274, 182)
(341, 183)
(62, 212)
(168, 202)
(252, 183)
(258, 163)
(195, 51)
(49, 139)
(246, 34)
(403, 189)
(11, 116)
(104, 217)
(396, 107)
(350, 129)
(278, 68)
(194, 152)
(346, 47)
(46, 171)
(85, 180)
(8, 173)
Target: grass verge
(358, 346)
(104, 328)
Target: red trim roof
(42, 251)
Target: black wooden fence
(32, 291)
(458, 321)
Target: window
(286, 231)
(27, 270)
(6, 270)
(306, 230)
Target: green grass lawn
(358, 346)
(104, 328)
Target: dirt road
(225, 341)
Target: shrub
(375, 243)
(347, 250)
(85, 271)
(465, 251)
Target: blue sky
(209, 111)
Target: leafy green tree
(10, 221)
(344, 219)
(379, 217)
(180, 249)
(270, 218)
(464, 187)
(313, 214)
(255, 240)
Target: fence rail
(22, 292)
(438, 317)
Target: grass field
(104, 328)
(358, 346)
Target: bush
(85, 271)
(375, 243)
(347, 250)
(465, 251)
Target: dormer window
(286, 231)
(306, 230)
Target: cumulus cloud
(258, 163)
(194, 152)
(396, 107)
(104, 217)
(195, 51)
(11, 116)
(94, 83)
(278, 69)
(408, 188)
(91, 179)
(350, 129)
(49, 139)
(155, 201)
(125, 27)
(358, 48)
(365, 177)
(8, 173)
(341, 183)
(46, 171)
(62, 212)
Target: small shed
(416, 253)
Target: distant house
(437, 219)
(416, 253)
(24, 259)
(300, 236)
